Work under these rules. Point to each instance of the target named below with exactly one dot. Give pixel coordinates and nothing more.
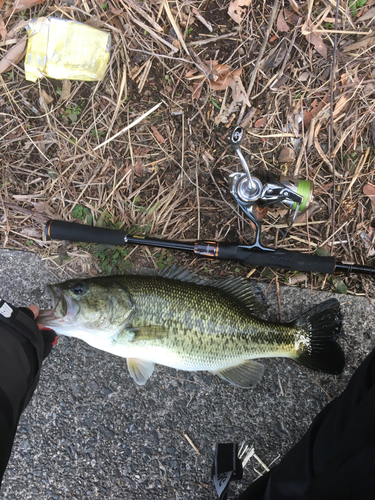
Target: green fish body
(177, 321)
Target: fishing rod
(246, 254)
(250, 192)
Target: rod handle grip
(282, 259)
(72, 231)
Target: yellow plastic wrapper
(66, 50)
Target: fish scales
(207, 329)
(175, 321)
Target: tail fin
(317, 331)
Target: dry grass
(167, 175)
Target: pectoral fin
(144, 332)
(140, 370)
(245, 375)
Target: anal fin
(245, 375)
(140, 369)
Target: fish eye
(78, 288)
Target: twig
(137, 7)
(210, 40)
(129, 126)
(356, 174)
(152, 33)
(287, 55)
(175, 27)
(274, 10)
(308, 374)
(333, 72)
(191, 444)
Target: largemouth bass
(177, 321)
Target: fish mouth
(60, 307)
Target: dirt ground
(298, 76)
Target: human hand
(35, 310)
(49, 335)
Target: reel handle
(236, 138)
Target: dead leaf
(13, 56)
(43, 207)
(225, 76)
(21, 5)
(314, 38)
(218, 75)
(287, 155)
(340, 105)
(291, 17)
(278, 212)
(158, 135)
(261, 123)
(239, 92)
(281, 23)
(3, 30)
(369, 88)
(260, 212)
(2, 2)
(46, 98)
(16, 28)
(116, 12)
(368, 15)
(94, 22)
(314, 208)
(293, 118)
(364, 43)
(115, 21)
(32, 232)
(368, 242)
(303, 77)
(317, 107)
(239, 97)
(202, 19)
(66, 90)
(294, 5)
(307, 117)
(297, 278)
(222, 76)
(369, 190)
(317, 41)
(237, 9)
(276, 58)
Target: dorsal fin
(244, 291)
(178, 273)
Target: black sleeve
(21, 356)
(335, 458)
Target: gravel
(91, 433)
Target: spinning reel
(250, 191)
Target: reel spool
(303, 188)
(248, 190)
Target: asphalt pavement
(91, 433)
